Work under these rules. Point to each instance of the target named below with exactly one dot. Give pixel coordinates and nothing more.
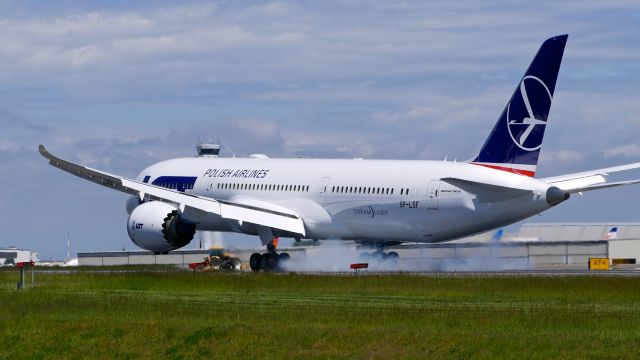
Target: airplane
(379, 202)
(612, 234)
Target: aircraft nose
(556, 195)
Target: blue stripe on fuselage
(180, 183)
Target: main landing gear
(269, 261)
(379, 255)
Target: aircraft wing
(273, 218)
(591, 180)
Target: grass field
(178, 315)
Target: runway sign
(598, 263)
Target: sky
(119, 85)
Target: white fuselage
(368, 200)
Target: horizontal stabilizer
(590, 180)
(602, 186)
(486, 191)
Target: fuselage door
(433, 194)
(323, 188)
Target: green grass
(178, 315)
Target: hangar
(534, 244)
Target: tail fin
(612, 234)
(515, 141)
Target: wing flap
(278, 219)
(261, 216)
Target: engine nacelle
(158, 227)
(132, 203)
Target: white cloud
(558, 158)
(629, 150)
(272, 42)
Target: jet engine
(159, 227)
(132, 203)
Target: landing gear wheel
(283, 257)
(269, 261)
(379, 255)
(255, 262)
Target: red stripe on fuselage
(508, 169)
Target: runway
(547, 271)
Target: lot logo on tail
(526, 121)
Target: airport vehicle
(217, 259)
(380, 202)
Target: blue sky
(119, 86)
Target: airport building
(534, 244)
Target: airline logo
(526, 121)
